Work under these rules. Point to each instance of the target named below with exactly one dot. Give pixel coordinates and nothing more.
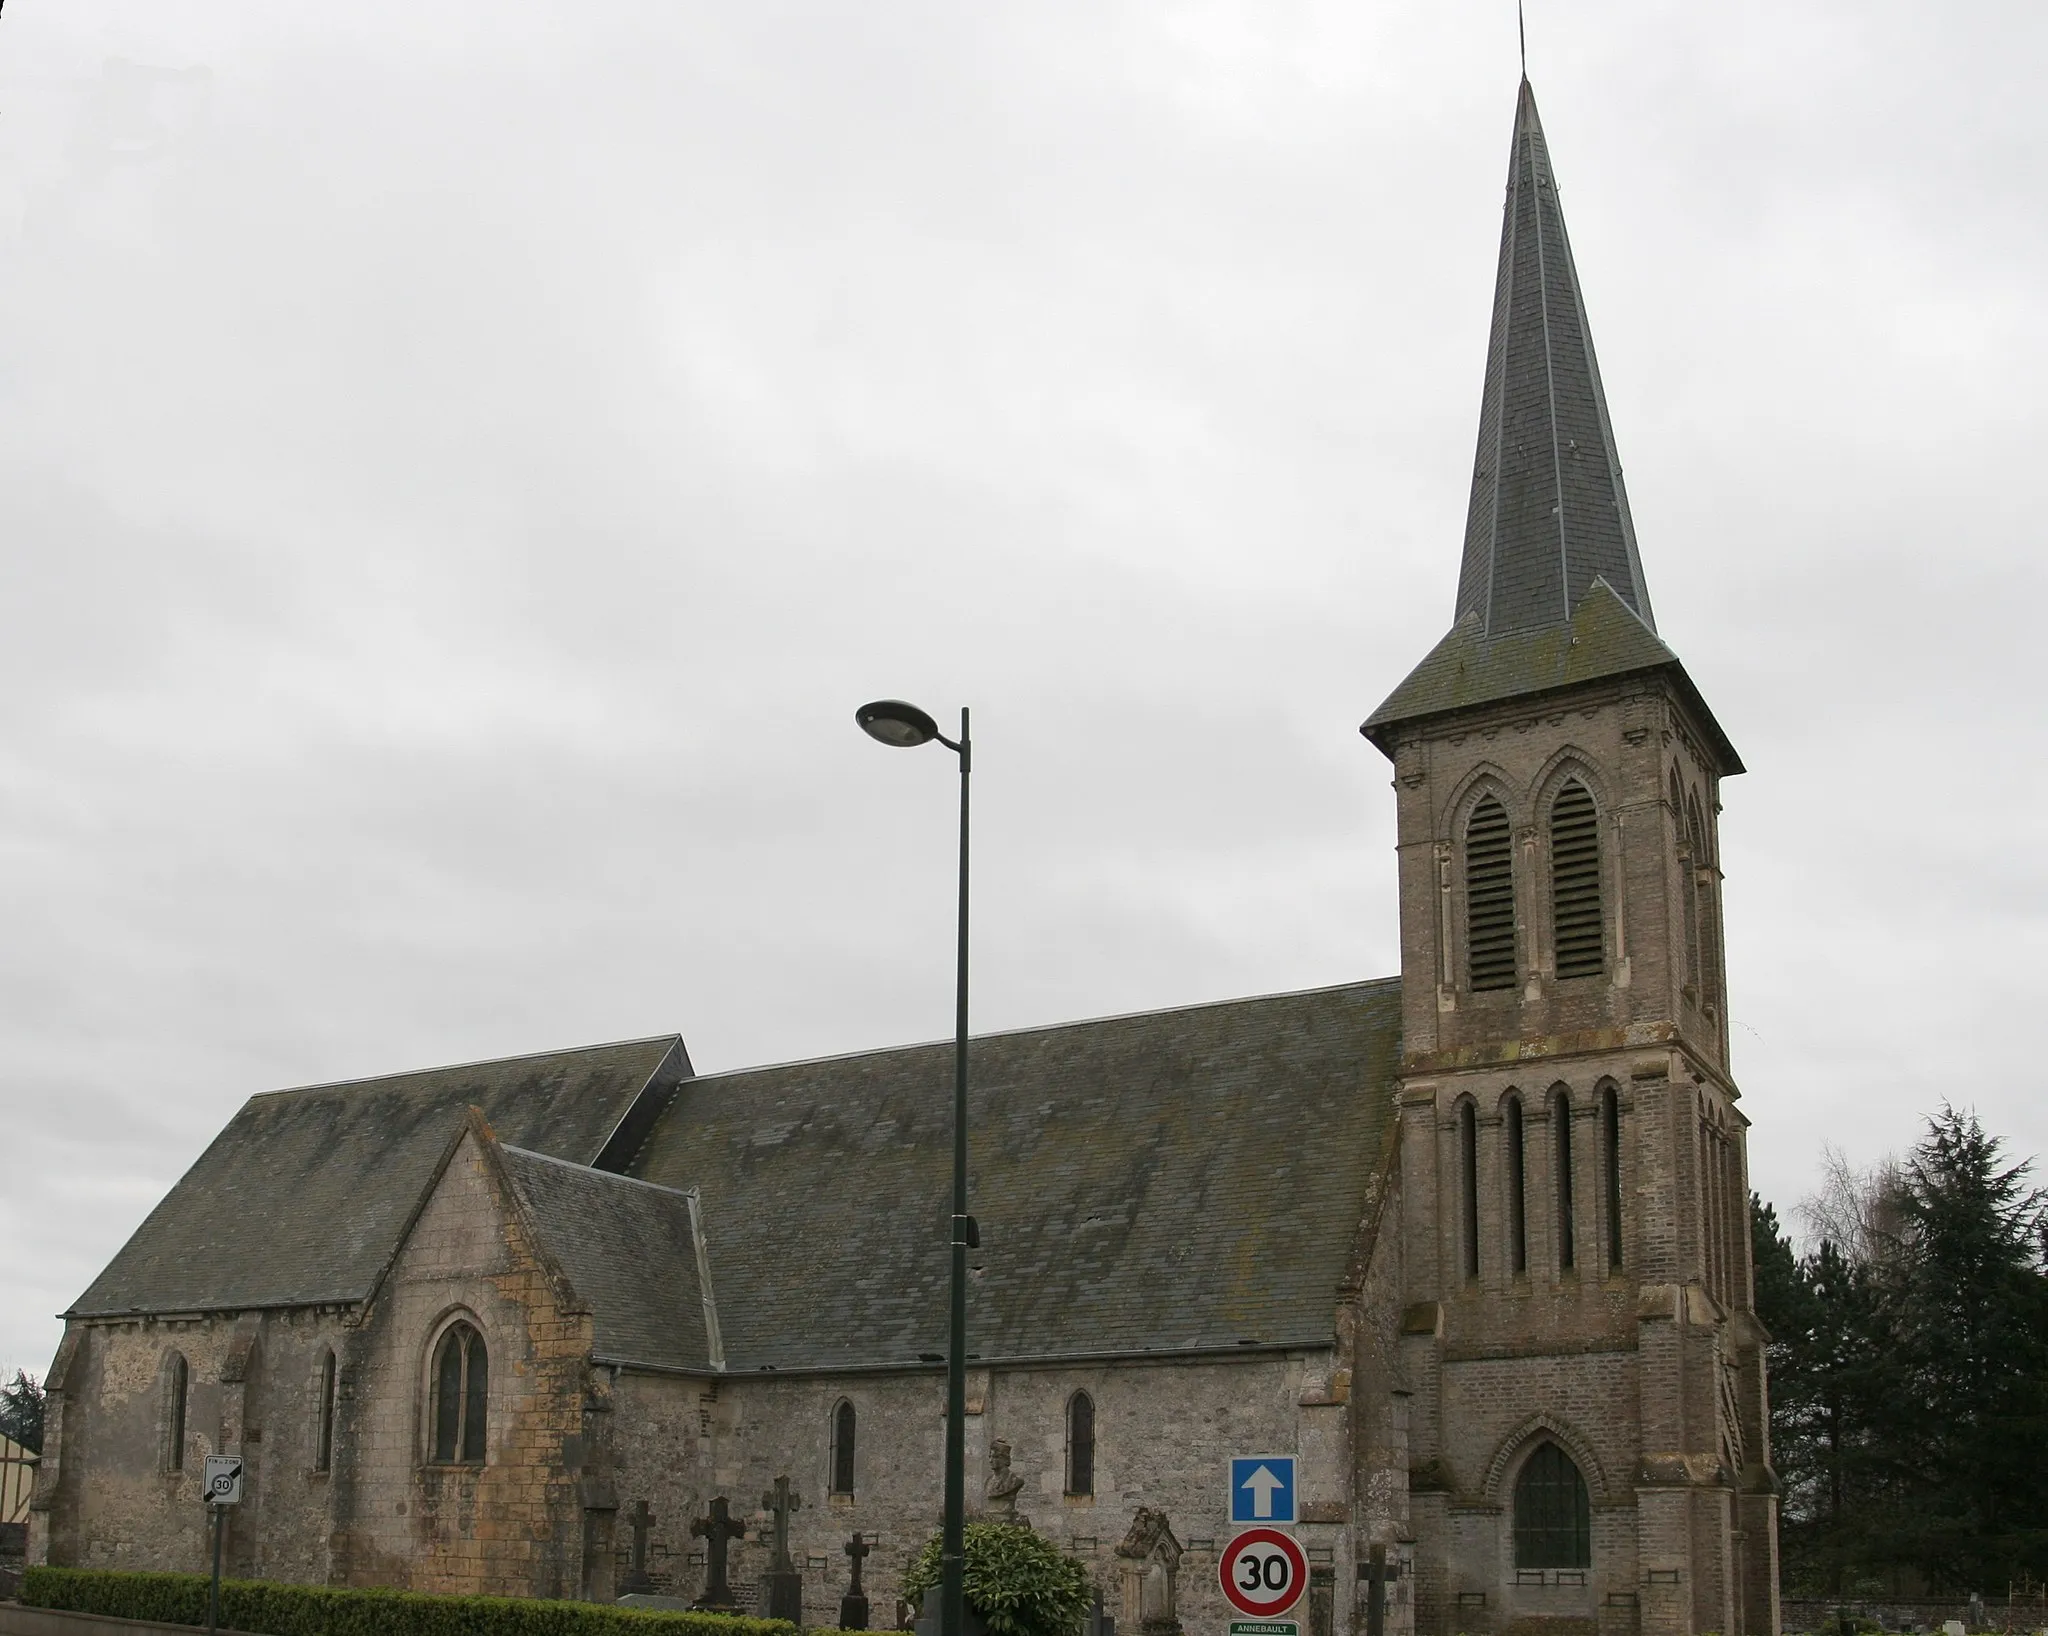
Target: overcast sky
(461, 464)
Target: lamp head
(892, 722)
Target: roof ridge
(592, 1170)
(1042, 1028)
(451, 1067)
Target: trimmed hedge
(263, 1608)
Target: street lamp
(903, 727)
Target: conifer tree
(1967, 1303)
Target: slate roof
(304, 1197)
(1604, 639)
(626, 1247)
(1550, 590)
(1548, 512)
(1178, 1180)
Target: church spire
(1548, 514)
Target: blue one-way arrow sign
(1262, 1488)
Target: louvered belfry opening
(1490, 897)
(1576, 917)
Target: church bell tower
(1587, 1421)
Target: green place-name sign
(1264, 1627)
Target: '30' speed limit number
(1263, 1572)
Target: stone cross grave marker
(853, 1606)
(637, 1582)
(717, 1530)
(1376, 1573)
(785, 1584)
(779, 1503)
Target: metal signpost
(1262, 1489)
(223, 1487)
(1264, 1573)
(1263, 1570)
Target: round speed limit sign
(1263, 1572)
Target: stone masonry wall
(382, 1515)
(514, 1526)
(1647, 1373)
(1164, 1433)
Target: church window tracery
(462, 1389)
(843, 1427)
(1080, 1444)
(1518, 1189)
(1576, 917)
(1553, 1512)
(1561, 1122)
(177, 1387)
(1489, 897)
(1468, 1177)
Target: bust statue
(1001, 1488)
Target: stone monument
(1151, 1559)
(717, 1531)
(999, 1493)
(853, 1606)
(783, 1590)
(636, 1582)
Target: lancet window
(1518, 1187)
(1080, 1444)
(1489, 897)
(1577, 923)
(1553, 1512)
(462, 1394)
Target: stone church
(1470, 1241)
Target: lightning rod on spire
(1522, 38)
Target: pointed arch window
(1688, 893)
(462, 1392)
(177, 1388)
(1561, 1122)
(843, 1428)
(1080, 1444)
(1577, 922)
(323, 1431)
(1610, 1167)
(1468, 1179)
(1518, 1188)
(1707, 960)
(1553, 1512)
(1489, 898)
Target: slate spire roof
(1548, 514)
(1550, 590)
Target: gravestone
(928, 1620)
(1100, 1621)
(636, 1582)
(783, 1590)
(1374, 1572)
(717, 1530)
(853, 1606)
(1151, 1558)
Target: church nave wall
(1163, 1435)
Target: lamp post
(904, 727)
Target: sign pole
(213, 1595)
(223, 1488)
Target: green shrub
(1019, 1582)
(262, 1608)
